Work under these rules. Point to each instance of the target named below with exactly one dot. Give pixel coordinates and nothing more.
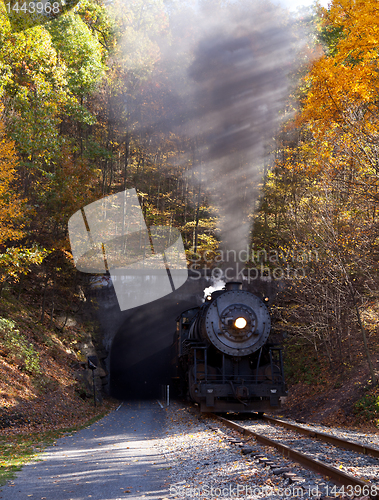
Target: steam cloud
(240, 80)
(226, 97)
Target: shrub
(18, 348)
(368, 407)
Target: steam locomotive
(223, 359)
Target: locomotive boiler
(224, 361)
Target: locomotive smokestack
(233, 286)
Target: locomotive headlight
(240, 323)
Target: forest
(113, 95)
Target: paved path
(113, 459)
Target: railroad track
(347, 483)
(327, 438)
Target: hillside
(43, 380)
(340, 393)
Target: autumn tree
(16, 260)
(11, 205)
(322, 191)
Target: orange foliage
(343, 84)
(340, 111)
(11, 206)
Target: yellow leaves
(358, 21)
(340, 82)
(340, 113)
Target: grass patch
(17, 450)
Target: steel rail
(328, 438)
(339, 477)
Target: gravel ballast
(208, 460)
(355, 464)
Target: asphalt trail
(113, 459)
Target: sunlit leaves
(80, 51)
(347, 77)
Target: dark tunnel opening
(142, 353)
(136, 374)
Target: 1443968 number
(33, 8)
(353, 491)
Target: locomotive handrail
(259, 359)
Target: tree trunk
(44, 296)
(126, 158)
(372, 373)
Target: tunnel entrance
(141, 356)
